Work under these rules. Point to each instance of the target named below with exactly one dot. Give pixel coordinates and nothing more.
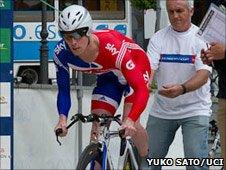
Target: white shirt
(176, 57)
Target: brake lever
(74, 117)
(81, 117)
(121, 133)
(58, 132)
(117, 119)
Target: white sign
(5, 152)
(5, 99)
(213, 26)
(149, 23)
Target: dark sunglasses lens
(82, 31)
(75, 35)
(78, 33)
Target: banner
(6, 91)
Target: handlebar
(102, 119)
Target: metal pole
(79, 97)
(44, 49)
(158, 16)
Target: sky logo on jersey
(177, 58)
(4, 45)
(111, 48)
(146, 76)
(60, 47)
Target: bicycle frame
(214, 139)
(105, 158)
(128, 150)
(104, 140)
(104, 137)
(215, 145)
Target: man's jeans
(161, 134)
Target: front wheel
(91, 158)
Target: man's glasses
(76, 34)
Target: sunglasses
(76, 34)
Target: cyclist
(122, 68)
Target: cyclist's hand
(128, 125)
(62, 124)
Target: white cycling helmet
(75, 18)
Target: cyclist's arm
(135, 79)
(63, 82)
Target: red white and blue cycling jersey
(122, 67)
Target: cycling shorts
(108, 92)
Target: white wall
(35, 117)
(35, 145)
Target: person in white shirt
(183, 98)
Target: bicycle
(98, 152)
(214, 135)
(214, 140)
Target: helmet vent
(79, 17)
(68, 15)
(77, 13)
(73, 21)
(64, 23)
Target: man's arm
(194, 83)
(217, 51)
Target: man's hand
(62, 124)
(171, 91)
(128, 125)
(204, 58)
(215, 52)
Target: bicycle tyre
(90, 153)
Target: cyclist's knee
(102, 112)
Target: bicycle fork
(125, 151)
(104, 157)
